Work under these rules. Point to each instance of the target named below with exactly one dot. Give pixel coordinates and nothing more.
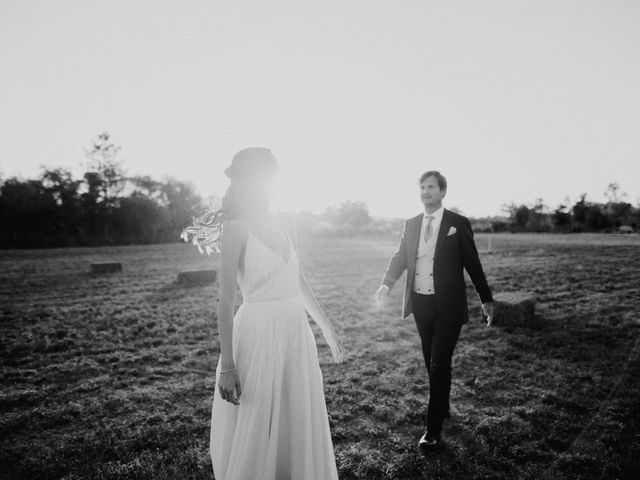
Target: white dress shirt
(423, 282)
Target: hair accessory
(205, 229)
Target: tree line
(106, 207)
(614, 215)
(103, 207)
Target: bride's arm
(232, 242)
(311, 302)
(317, 314)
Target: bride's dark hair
(248, 164)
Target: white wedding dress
(280, 430)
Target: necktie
(429, 230)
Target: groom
(434, 249)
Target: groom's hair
(442, 182)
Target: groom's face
(430, 192)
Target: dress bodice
(265, 275)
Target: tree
(499, 226)
(179, 198)
(579, 211)
(595, 218)
(137, 219)
(522, 215)
(510, 209)
(612, 193)
(561, 218)
(93, 212)
(102, 160)
(538, 216)
(355, 214)
(619, 213)
(147, 186)
(26, 212)
(109, 178)
(65, 191)
(519, 215)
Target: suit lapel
(414, 239)
(445, 224)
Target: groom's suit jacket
(455, 250)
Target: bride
(269, 419)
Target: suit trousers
(439, 339)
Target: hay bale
(513, 308)
(197, 277)
(107, 267)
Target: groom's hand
(381, 293)
(487, 309)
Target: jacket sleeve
(471, 262)
(398, 261)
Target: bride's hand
(332, 339)
(229, 386)
(337, 349)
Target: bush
(499, 227)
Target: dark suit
(439, 317)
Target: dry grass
(111, 377)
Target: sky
(511, 100)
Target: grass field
(111, 377)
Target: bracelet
(227, 371)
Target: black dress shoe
(429, 441)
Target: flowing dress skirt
(280, 430)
